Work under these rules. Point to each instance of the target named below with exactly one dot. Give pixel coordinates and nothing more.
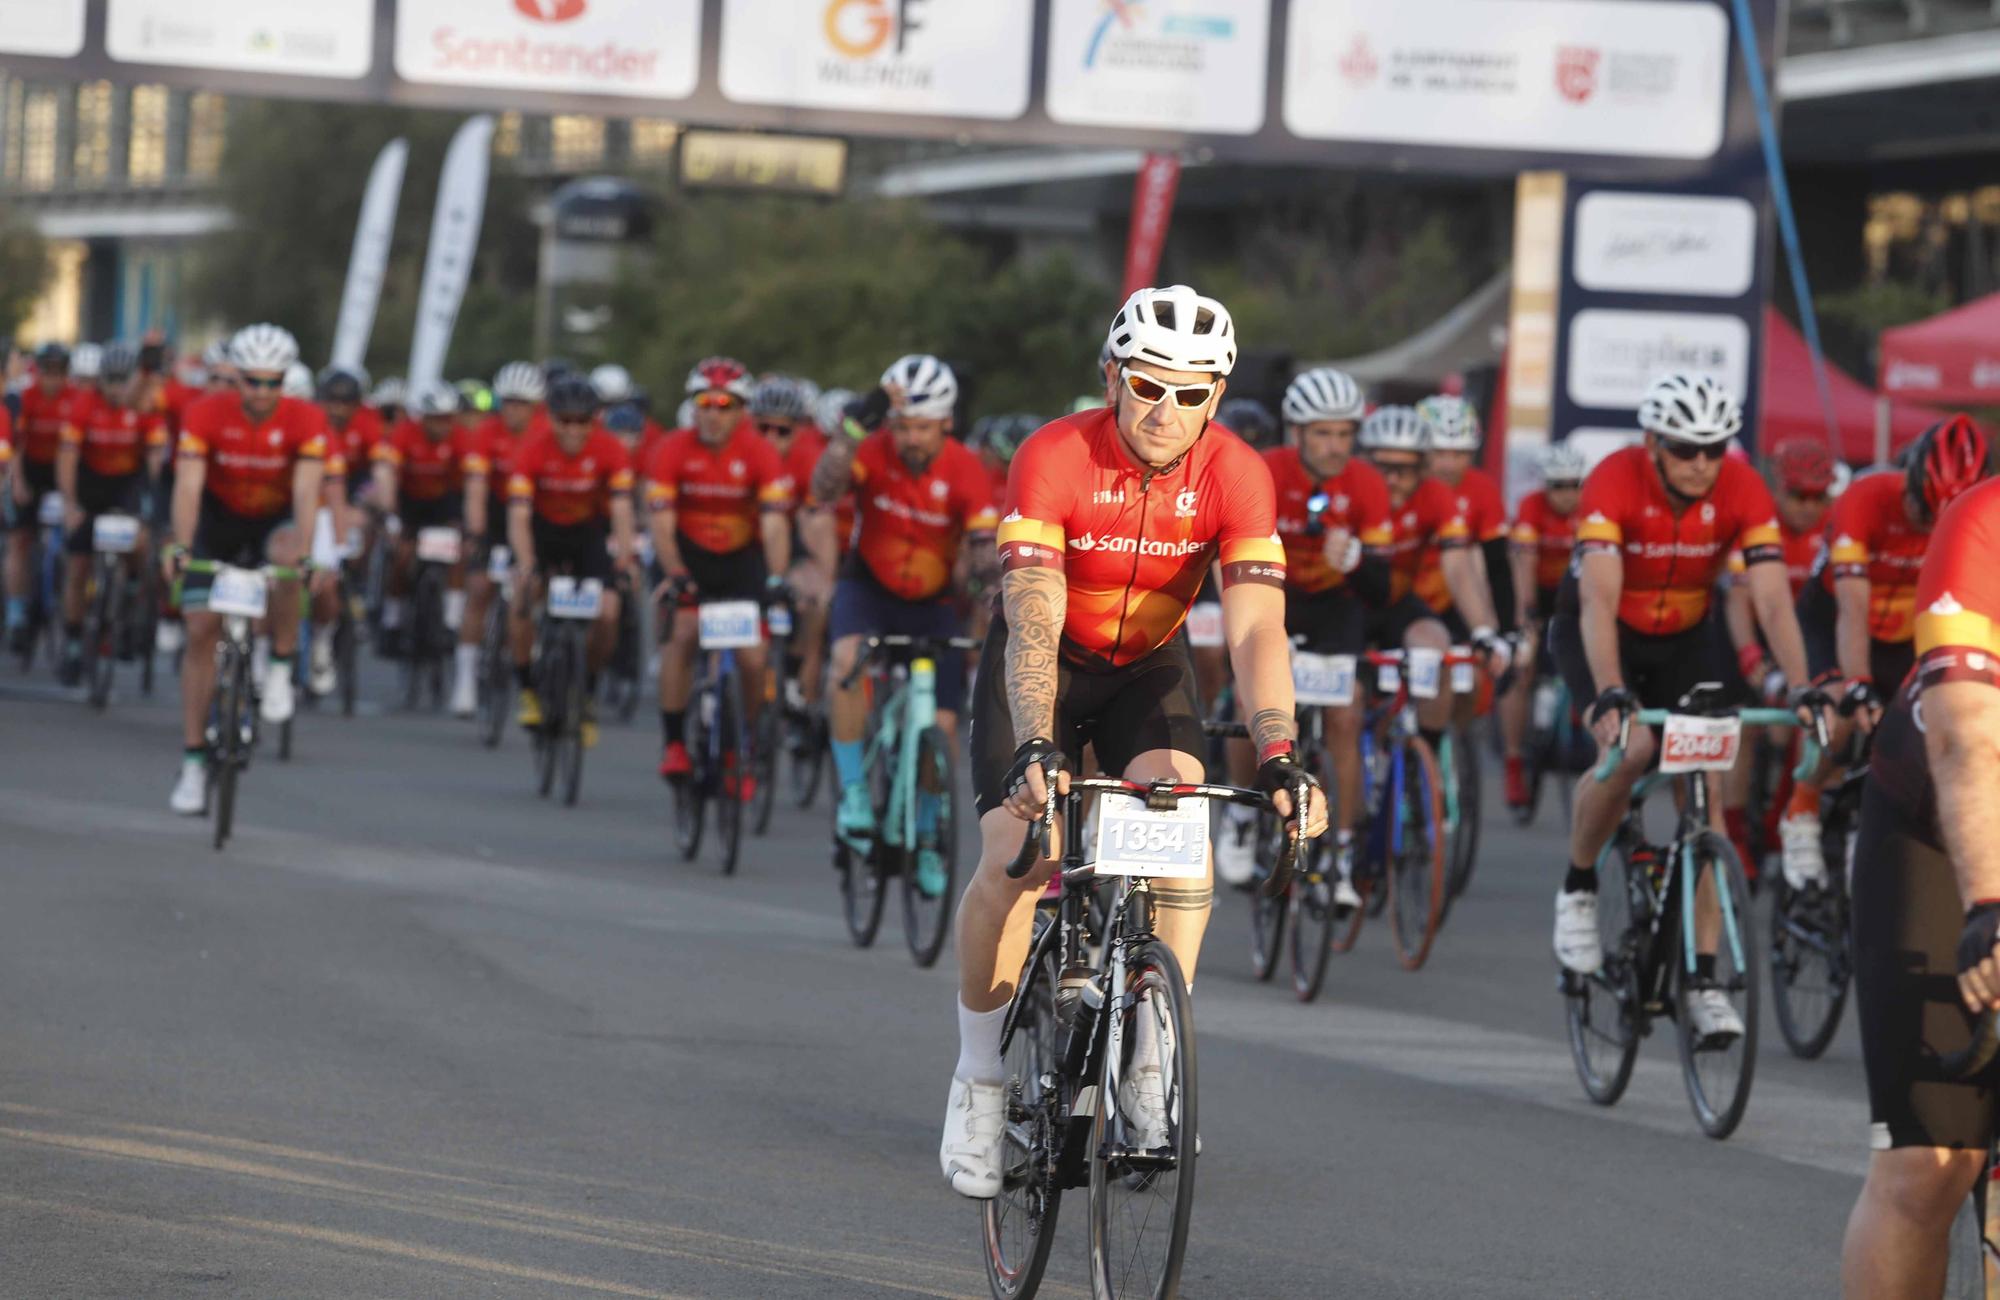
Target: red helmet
(1802, 465)
(1949, 458)
(725, 373)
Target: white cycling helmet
(299, 382)
(519, 381)
(809, 388)
(684, 414)
(831, 408)
(390, 392)
(613, 384)
(1562, 463)
(215, 356)
(86, 361)
(930, 390)
(1454, 423)
(1323, 393)
(265, 349)
(1396, 428)
(435, 398)
(1690, 408)
(1175, 328)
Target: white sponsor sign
(1645, 78)
(879, 56)
(638, 48)
(301, 38)
(1594, 444)
(1695, 244)
(48, 28)
(1614, 355)
(1190, 65)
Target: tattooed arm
(1036, 601)
(833, 476)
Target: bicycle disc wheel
(690, 791)
(725, 786)
(1313, 921)
(1019, 1225)
(1143, 1161)
(1809, 962)
(1718, 1074)
(1464, 774)
(764, 764)
(1416, 849)
(1602, 1009)
(927, 901)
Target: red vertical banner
(1152, 212)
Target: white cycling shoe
(1236, 852)
(278, 702)
(323, 676)
(190, 796)
(1713, 1019)
(1142, 1100)
(1803, 862)
(464, 696)
(1577, 945)
(970, 1152)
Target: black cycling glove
(1613, 698)
(1035, 753)
(1976, 940)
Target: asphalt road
(418, 1033)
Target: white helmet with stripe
(1175, 328)
(1395, 428)
(1690, 408)
(266, 349)
(1454, 423)
(1323, 393)
(520, 381)
(930, 390)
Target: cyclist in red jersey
(1657, 523)
(516, 419)
(1926, 884)
(569, 507)
(1542, 538)
(245, 492)
(50, 405)
(719, 505)
(1113, 517)
(431, 472)
(1455, 440)
(995, 440)
(779, 410)
(924, 516)
(352, 431)
(107, 463)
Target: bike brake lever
(1280, 878)
(1035, 844)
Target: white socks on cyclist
(454, 609)
(979, 1045)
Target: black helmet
(340, 384)
(1002, 435)
(625, 420)
(120, 360)
(1249, 420)
(52, 356)
(572, 397)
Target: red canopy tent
(1791, 405)
(1953, 358)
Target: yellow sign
(748, 160)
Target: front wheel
(1463, 796)
(495, 676)
(1019, 1225)
(690, 791)
(225, 760)
(1416, 850)
(864, 890)
(1143, 1140)
(931, 870)
(1602, 1009)
(728, 785)
(1313, 921)
(1718, 1071)
(570, 739)
(764, 763)
(103, 637)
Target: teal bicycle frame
(909, 711)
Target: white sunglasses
(1151, 391)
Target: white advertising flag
(641, 48)
(49, 28)
(300, 38)
(461, 202)
(370, 259)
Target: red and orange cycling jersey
(1134, 543)
(112, 441)
(6, 435)
(1957, 628)
(430, 469)
(1871, 537)
(250, 462)
(1671, 561)
(910, 525)
(1427, 523)
(1357, 503)
(567, 490)
(716, 493)
(498, 445)
(351, 449)
(43, 419)
(1538, 528)
(1478, 502)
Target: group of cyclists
(1081, 552)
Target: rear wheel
(805, 753)
(1602, 1009)
(571, 736)
(764, 764)
(1810, 965)
(103, 632)
(864, 890)
(1019, 1225)
(727, 786)
(927, 896)
(1463, 793)
(1718, 1072)
(1416, 848)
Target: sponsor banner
(1190, 65)
(461, 206)
(639, 48)
(1699, 245)
(1531, 310)
(1614, 355)
(300, 38)
(1644, 78)
(1595, 443)
(1152, 212)
(924, 57)
(51, 29)
(370, 258)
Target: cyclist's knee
(1923, 1184)
(845, 652)
(1164, 765)
(1426, 634)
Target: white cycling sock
(467, 658)
(979, 1045)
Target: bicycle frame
(910, 710)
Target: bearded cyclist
(1657, 523)
(1113, 517)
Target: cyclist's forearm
(385, 488)
(624, 534)
(1737, 616)
(520, 533)
(818, 530)
(1602, 580)
(1521, 561)
(1036, 602)
(66, 458)
(666, 542)
(777, 535)
(1260, 652)
(1465, 577)
(475, 505)
(1962, 739)
(1850, 627)
(1771, 595)
(834, 474)
(306, 478)
(189, 480)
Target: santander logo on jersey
(1136, 545)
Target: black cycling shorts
(862, 606)
(222, 535)
(40, 476)
(99, 494)
(722, 575)
(1389, 625)
(1658, 669)
(1907, 919)
(1121, 712)
(1333, 622)
(1889, 662)
(447, 511)
(579, 550)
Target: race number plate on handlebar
(1323, 679)
(115, 534)
(779, 620)
(1204, 624)
(569, 598)
(241, 592)
(1692, 744)
(50, 512)
(438, 545)
(1426, 673)
(1464, 679)
(1134, 840)
(499, 563)
(730, 625)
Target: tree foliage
(24, 273)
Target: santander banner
(604, 47)
(1152, 212)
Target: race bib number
(1204, 624)
(438, 545)
(51, 510)
(1134, 840)
(1323, 679)
(116, 534)
(778, 619)
(1388, 679)
(1464, 679)
(499, 563)
(1691, 744)
(730, 625)
(1426, 673)
(569, 598)
(1546, 702)
(241, 592)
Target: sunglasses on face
(1151, 392)
(571, 422)
(1562, 486)
(1399, 468)
(266, 384)
(1685, 451)
(714, 401)
(774, 430)
(1810, 498)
